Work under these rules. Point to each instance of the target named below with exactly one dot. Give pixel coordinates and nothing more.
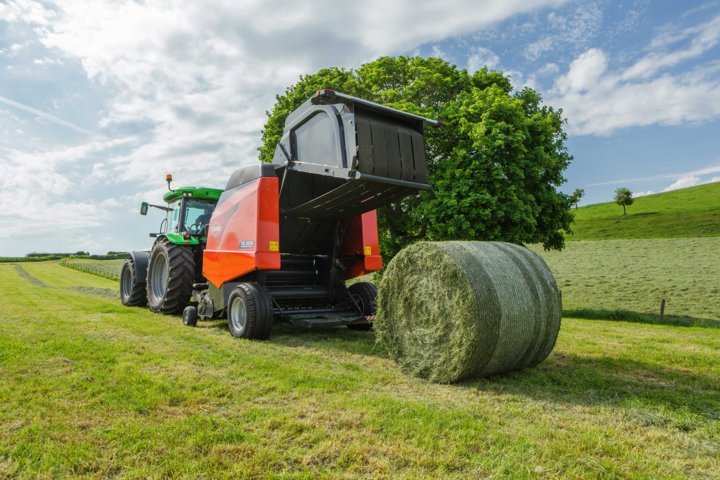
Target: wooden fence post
(662, 310)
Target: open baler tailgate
(367, 154)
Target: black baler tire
(367, 294)
(259, 312)
(181, 275)
(137, 296)
(190, 316)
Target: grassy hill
(690, 212)
(91, 389)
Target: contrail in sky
(47, 116)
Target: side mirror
(143, 208)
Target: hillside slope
(690, 212)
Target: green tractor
(163, 277)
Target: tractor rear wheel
(170, 276)
(365, 296)
(132, 291)
(249, 312)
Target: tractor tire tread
(181, 275)
(138, 296)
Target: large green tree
(495, 165)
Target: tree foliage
(576, 196)
(623, 196)
(495, 166)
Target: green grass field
(690, 212)
(633, 276)
(91, 389)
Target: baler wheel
(249, 312)
(132, 293)
(365, 295)
(190, 316)
(170, 276)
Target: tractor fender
(140, 259)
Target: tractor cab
(189, 210)
(187, 214)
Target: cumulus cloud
(574, 30)
(643, 193)
(482, 57)
(683, 182)
(598, 100)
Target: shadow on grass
(336, 338)
(633, 384)
(642, 214)
(640, 317)
(562, 379)
(340, 339)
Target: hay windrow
(454, 310)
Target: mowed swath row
(91, 388)
(635, 275)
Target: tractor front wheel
(132, 291)
(249, 312)
(170, 276)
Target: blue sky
(98, 100)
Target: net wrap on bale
(449, 311)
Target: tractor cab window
(197, 215)
(173, 217)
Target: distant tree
(577, 196)
(623, 196)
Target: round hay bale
(449, 311)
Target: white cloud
(575, 30)
(597, 100)
(683, 182)
(26, 11)
(698, 172)
(482, 57)
(548, 69)
(37, 190)
(702, 38)
(583, 73)
(643, 193)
